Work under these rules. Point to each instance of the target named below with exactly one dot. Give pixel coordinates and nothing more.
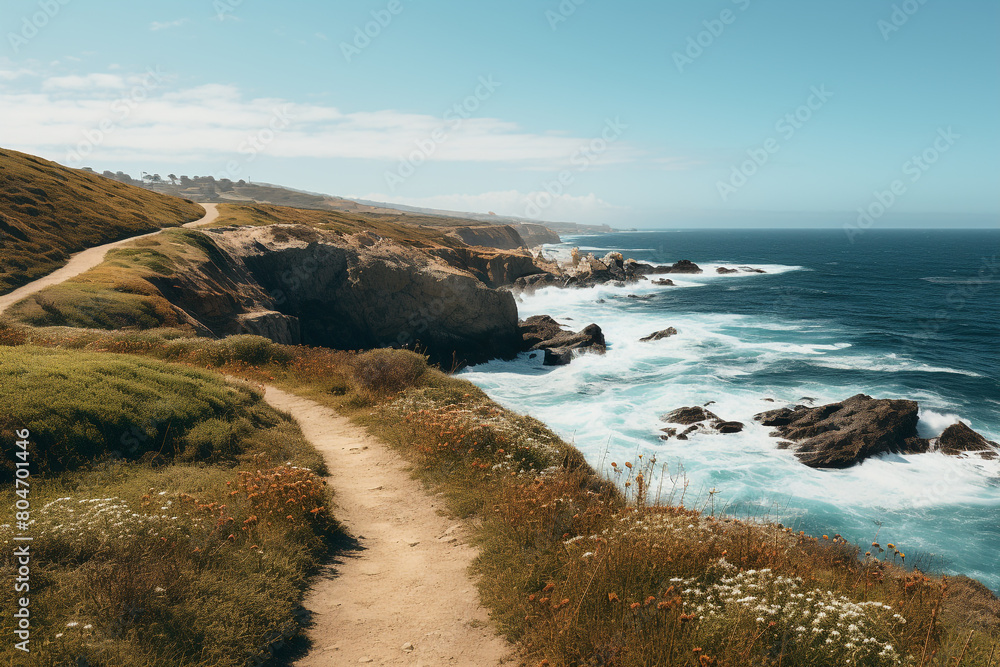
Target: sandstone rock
(660, 335)
(842, 434)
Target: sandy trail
(404, 598)
(88, 259)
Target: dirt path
(88, 259)
(405, 598)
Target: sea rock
(698, 420)
(538, 329)
(558, 356)
(529, 284)
(958, 439)
(728, 427)
(643, 297)
(685, 266)
(748, 269)
(664, 282)
(541, 332)
(843, 434)
(692, 415)
(723, 270)
(659, 335)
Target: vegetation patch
(122, 293)
(48, 212)
(583, 569)
(176, 517)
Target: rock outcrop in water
(589, 271)
(959, 439)
(659, 335)
(541, 332)
(840, 435)
(698, 420)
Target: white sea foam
(610, 407)
(932, 423)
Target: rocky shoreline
(842, 434)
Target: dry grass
(48, 212)
(580, 570)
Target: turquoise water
(900, 314)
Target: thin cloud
(217, 122)
(166, 25)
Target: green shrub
(385, 372)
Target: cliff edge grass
(161, 532)
(48, 212)
(581, 569)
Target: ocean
(893, 314)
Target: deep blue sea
(896, 314)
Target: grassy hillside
(121, 292)
(163, 532)
(118, 293)
(578, 571)
(48, 212)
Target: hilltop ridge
(48, 212)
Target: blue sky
(634, 113)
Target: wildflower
(72, 624)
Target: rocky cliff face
(495, 268)
(502, 237)
(361, 291)
(536, 235)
